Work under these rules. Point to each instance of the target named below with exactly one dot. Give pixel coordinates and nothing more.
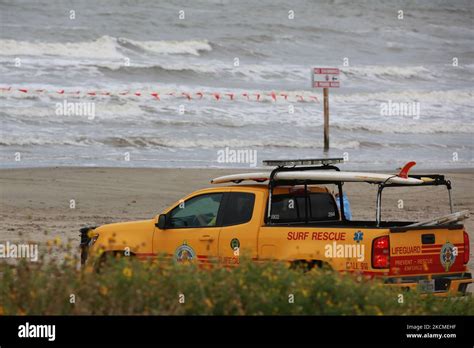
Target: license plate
(426, 285)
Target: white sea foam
(407, 127)
(453, 96)
(105, 47)
(44, 139)
(168, 142)
(401, 64)
(110, 52)
(382, 72)
(192, 47)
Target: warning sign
(325, 78)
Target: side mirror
(161, 224)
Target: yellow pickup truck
(290, 214)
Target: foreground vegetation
(127, 286)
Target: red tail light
(466, 247)
(381, 252)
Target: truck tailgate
(435, 250)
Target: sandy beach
(35, 203)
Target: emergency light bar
(303, 162)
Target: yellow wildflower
(127, 272)
(208, 303)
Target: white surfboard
(258, 176)
(321, 175)
(443, 220)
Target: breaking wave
(407, 127)
(384, 72)
(156, 142)
(191, 47)
(105, 47)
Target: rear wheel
(307, 265)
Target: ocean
(176, 83)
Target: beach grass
(127, 286)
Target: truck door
(192, 230)
(239, 232)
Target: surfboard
(443, 220)
(319, 175)
(258, 176)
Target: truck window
(291, 208)
(199, 211)
(238, 208)
(323, 207)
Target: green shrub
(127, 286)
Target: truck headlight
(93, 240)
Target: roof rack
(303, 162)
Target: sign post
(325, 78)
(326, 118)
